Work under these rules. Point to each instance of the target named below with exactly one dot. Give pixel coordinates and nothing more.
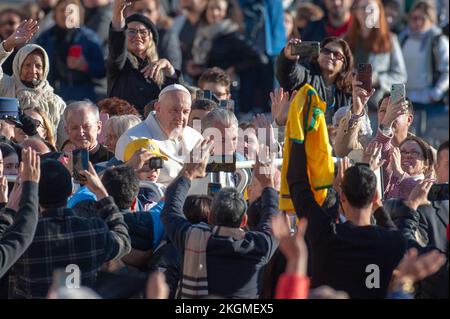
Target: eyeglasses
(414, 154)
(336, 55)
(144, 33)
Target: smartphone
(227, 104)
(207, 95)
(75, 51)
(155, 163)
(80, 162)
(213, 188)
(222, 163)
(101, 138)
(306, 48)
(438, 192)
(364, 75)
(398, 91)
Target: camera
(155, 163)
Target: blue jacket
(73, 85)
(272, 13)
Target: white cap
(173, 87)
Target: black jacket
(314, 31)
(125, 81)
(17, 228)
(232, 50)
(169, 47)
(293, 75)
(426, 229)
(341, 253)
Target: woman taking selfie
(134, 71)
(329, 72)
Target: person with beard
(30, 69)
(9, 21)
(75, 52)
(335, 22)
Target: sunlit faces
(412, 158)
(172, 112)
(11, 164)
(418, 21)
(216, 11)
(82, 128)
(138, 37)
(332, 58)
(111, 139)
(32, 68)
(8, 24)
(442, 166)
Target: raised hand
(343, 165)
(359, 97)
(292, 246)
(198, 159)
(93, 182)
(288, 48)
(372, 156)
(152, 70)
(263, 125)
(395, 163)
(30, 168)
(394, 110)
(22, 35)
(264, 171)
(280, 105)
(419, 194)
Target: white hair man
(82, 125)
(167, 126)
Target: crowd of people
(186, 149)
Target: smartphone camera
(155, 163)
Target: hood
(22, 55)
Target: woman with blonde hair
(43, 126)
(134, 71)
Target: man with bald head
(167, 126)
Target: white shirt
(175, 149)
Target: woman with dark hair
(134, 70)
(330, 73)
(409, 164)
(115, 107)
(218, 41)
(372, 42)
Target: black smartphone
(222, 163)
(438, 192)
(207, 95)
(213, 188)
(155, 163)
(364, 75)
(80, 162)
(306, 49)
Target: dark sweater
(341, 252)
(17, 228)
(234, 267)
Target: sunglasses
(336, 55)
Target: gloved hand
(28, 125)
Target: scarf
(205, 37)
(39, 94)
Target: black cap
(145, 21)
(9, 110)
(55, 185)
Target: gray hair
(219, 115)
(80, 105)
(228, 207)
(120, 124)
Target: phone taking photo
(364, 75)
(306, 49)
(398, 92)
(80, 162)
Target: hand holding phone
(364, 75)
(398, 92)
(80, 162)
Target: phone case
(306, 49)
(398, 91)
(80, 161)
(75, 51)
(364, 75)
